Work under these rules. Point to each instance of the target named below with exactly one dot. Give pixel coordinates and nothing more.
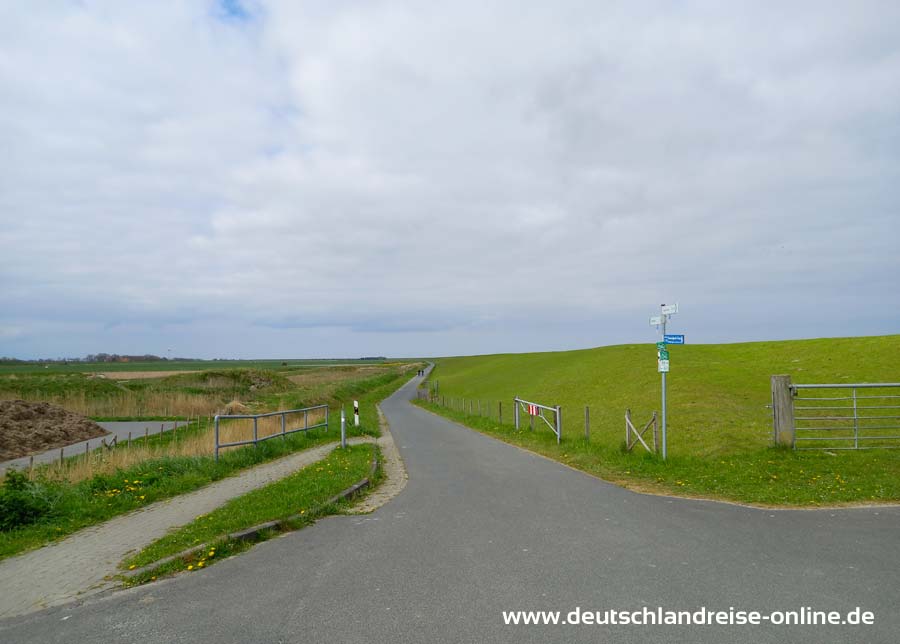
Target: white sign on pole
(663, 366)
(670, 309)
(656, 320)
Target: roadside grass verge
(719, 428)
(302, 495)
(68, 506)
(767, 476)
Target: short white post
(343, 429)
(356, 413)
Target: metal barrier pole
(283, 435)
(217, 438)
(516, 408)
(855, 422)
(558, 423)
(343, 429)
(255, 433)
(306, 419)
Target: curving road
(483, 527)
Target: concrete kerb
(252, 534)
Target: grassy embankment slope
(719, 427)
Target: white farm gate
(536, 410)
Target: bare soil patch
(34, 427)
(139, 375)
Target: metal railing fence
(284, 429)
(846, 416)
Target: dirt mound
(34, 427)
(235, 407)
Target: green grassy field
(719, 426)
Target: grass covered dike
(48, 509)
(720, 432)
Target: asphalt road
(483, 527)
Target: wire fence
(702, 426)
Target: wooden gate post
(783, 410)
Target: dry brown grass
(128, 404)
(184, 443)
(319, 376)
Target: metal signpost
(662, 363)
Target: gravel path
(82, 564)
(392, 466)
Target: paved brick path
(79, 565)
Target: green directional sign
(663, 354)
(661, 346)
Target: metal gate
(536, 410)
(851, 416)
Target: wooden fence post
(627, 432)
(587, 423)
(782, 410)
(499, 412)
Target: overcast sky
(284, 178)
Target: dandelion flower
(131, 567)
(190, 567)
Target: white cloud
(554, 171)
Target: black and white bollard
(356, 413)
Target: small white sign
(663, 366)
(656, 320)
(670, 309)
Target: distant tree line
(95, 357)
